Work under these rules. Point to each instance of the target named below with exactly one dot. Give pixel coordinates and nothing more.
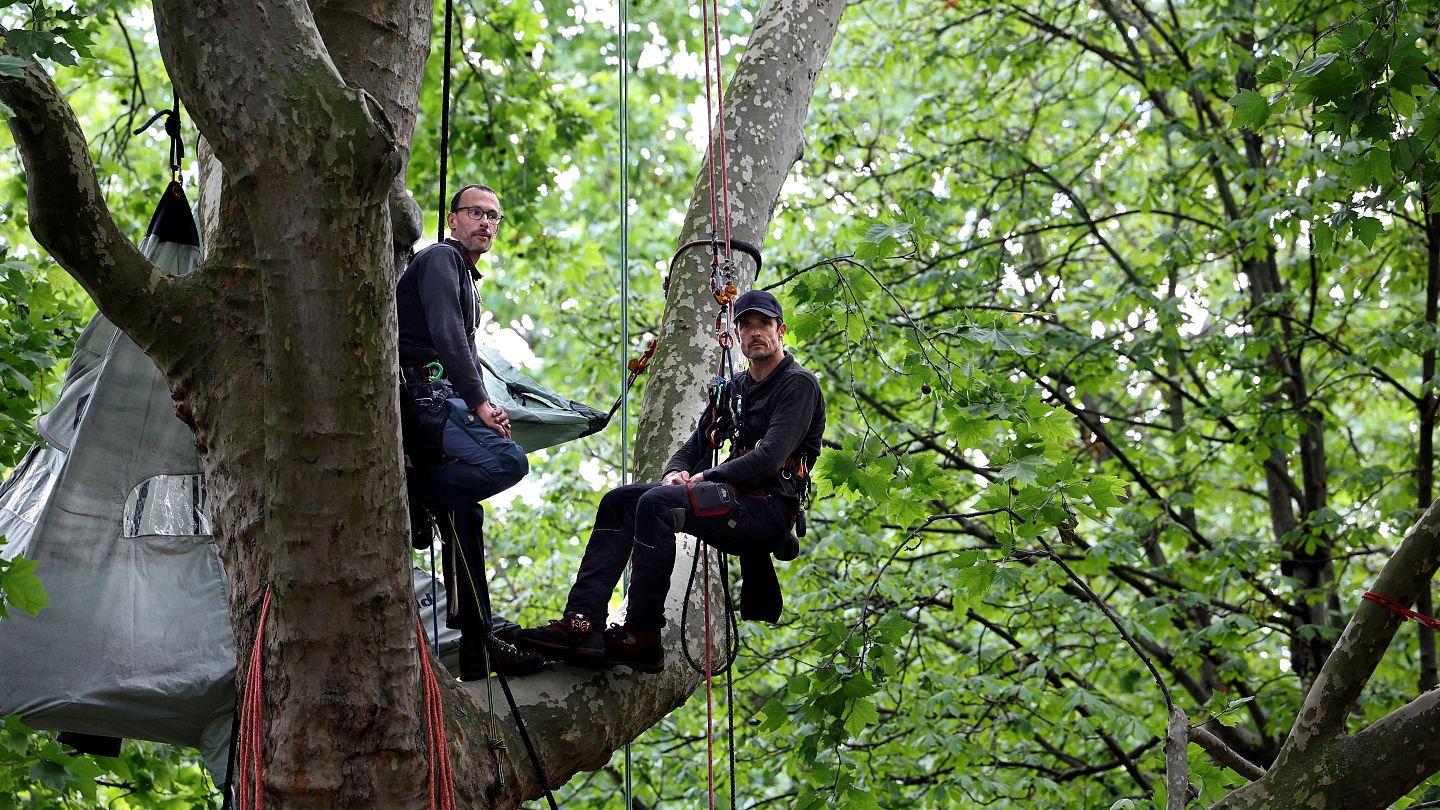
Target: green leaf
(1324, 238)
(893, 627)
(775, 714)
(1251, 110)
(1316, 65)
(970, 585)
(1104, 491)
(20, 587)
(12, 66)
(863, 715)
(1025, 470)
(804, 326)
(1366, 229)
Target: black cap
(758, 301)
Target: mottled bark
(280, 354)
(1321, 763)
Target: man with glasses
(471, 455)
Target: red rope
(719, 188)
(1401, 610)
(710, 18)
(709, 668)
(720, 115)
(252, 722)
(442, 777)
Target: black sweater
(782, 417)
(438, 307)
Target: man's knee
(513, 465)
(668, 504)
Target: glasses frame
(476, 213)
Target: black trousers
(637, 524)
(462, 536)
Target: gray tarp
(136, 641)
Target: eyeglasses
(475, 212)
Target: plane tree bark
(1323, 763)
(280, 349)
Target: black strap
(484, 599)
(445, 122)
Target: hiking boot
(574, 638)
(638, 649)
(480, 656)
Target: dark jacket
(782, 420)
(438, 308)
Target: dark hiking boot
(480, 656)
(638, 649)
(574, 638)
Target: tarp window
(29, 486)
(169, 505)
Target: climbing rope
(442, 777)
(475, 593)
(252, 721)
(724, 288)
(445, 122)
(1400, 610)
(635, 367)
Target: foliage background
(1145, 289)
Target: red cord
(720, 115)
(442, 776)
(252, 726)
(252, 722)
(1401, 610)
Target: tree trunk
(280, 352)
(1321, 763)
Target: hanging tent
(111, 504)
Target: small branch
(1224, 754)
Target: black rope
(481, 592)
(732, 637)
(173, 130)
(730, 732)
(525, 737)
(445, 123)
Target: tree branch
(70, 219)
(1367, 636)
(1224, 754)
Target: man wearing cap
(745, 506)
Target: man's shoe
(574, 638)
(479, 657)
(640, 650)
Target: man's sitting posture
(745, 506)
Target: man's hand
(676, 477)
(494, 418)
